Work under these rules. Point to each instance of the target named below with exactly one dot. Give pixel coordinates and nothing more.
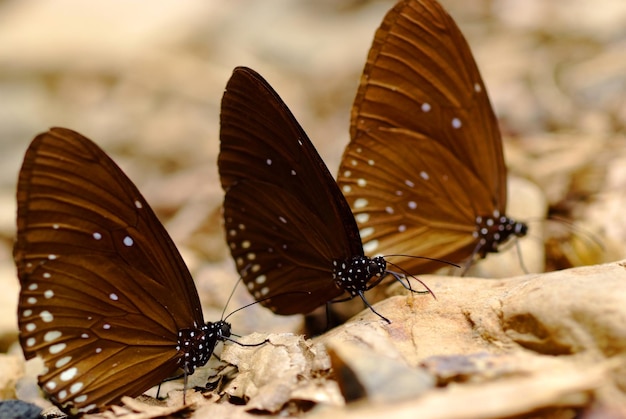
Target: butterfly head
(222, 328)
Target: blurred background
(144, 80)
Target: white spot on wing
(63, 361)
(55, 349)
(370, 246)
(87, 408)
(75, 388)
(68, 374)
(426, 107)
(46, 316)
(360, 203)
(456, 123)
(365, 232)
(128, 241)
(362, 217)
(97, 236)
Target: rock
(557, 338)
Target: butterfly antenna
(264, 299)
(443, 261)
(407, 275)
(243, 272)
(578, 229)
(263, 342)
(251, 304)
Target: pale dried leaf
(287, 368)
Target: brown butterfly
(106, 299)
(424, 171)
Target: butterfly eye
(106, 300)
(422, 114)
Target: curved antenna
(447, 262)
(243, 272)
(231, 296)
(264, 299)
(577, 229)
(407, 275)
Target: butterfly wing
(422, 123)
(103, 289)
(285, 217)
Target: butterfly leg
(372, 308)
(398, 277)
(186, 381)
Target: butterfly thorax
(197, 344)
(353, 275)
(496, 229)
